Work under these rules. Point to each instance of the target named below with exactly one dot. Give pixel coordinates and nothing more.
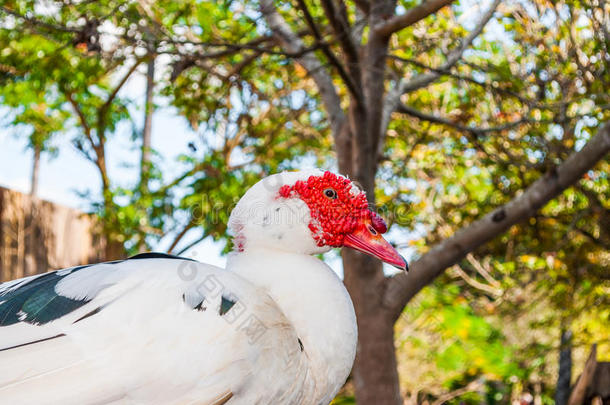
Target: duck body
(277, 326)
(209, 335)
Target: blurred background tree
(452, 110)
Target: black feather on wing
(36, 301)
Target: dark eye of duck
(330, 193)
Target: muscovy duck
(277, 326)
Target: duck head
(310, 212)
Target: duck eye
(330, 193)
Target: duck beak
(367, 239)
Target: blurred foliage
(497, 316)
(528, 92)
(64, 68)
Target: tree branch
(392, 100)
(363, 5)
(482, 271)
(81, 148)
(293, 44)
(146, 150)
(496, 292)
(412, 16)
(347, 79)
(340, 24)
(471, 387)
(193, 243)
(231, 49)
(592, 238)
(188, 60)
(98, 148)
(489, 86)
(121, 83)
(403, 287)
(38, 23)
(421, 81)
(402, 108)
(191, 224)
(103, 110)
(585, 380)
(81, 116)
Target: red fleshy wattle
(378, 223)
(331, 218)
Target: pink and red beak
(367, 239)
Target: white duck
(276, 327)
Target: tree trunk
(35, 171)
(562, 389)
(147, 129)
(145, 160)
(375, 372)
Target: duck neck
(315, 301)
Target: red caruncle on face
(335, 208)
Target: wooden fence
(37, 236)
